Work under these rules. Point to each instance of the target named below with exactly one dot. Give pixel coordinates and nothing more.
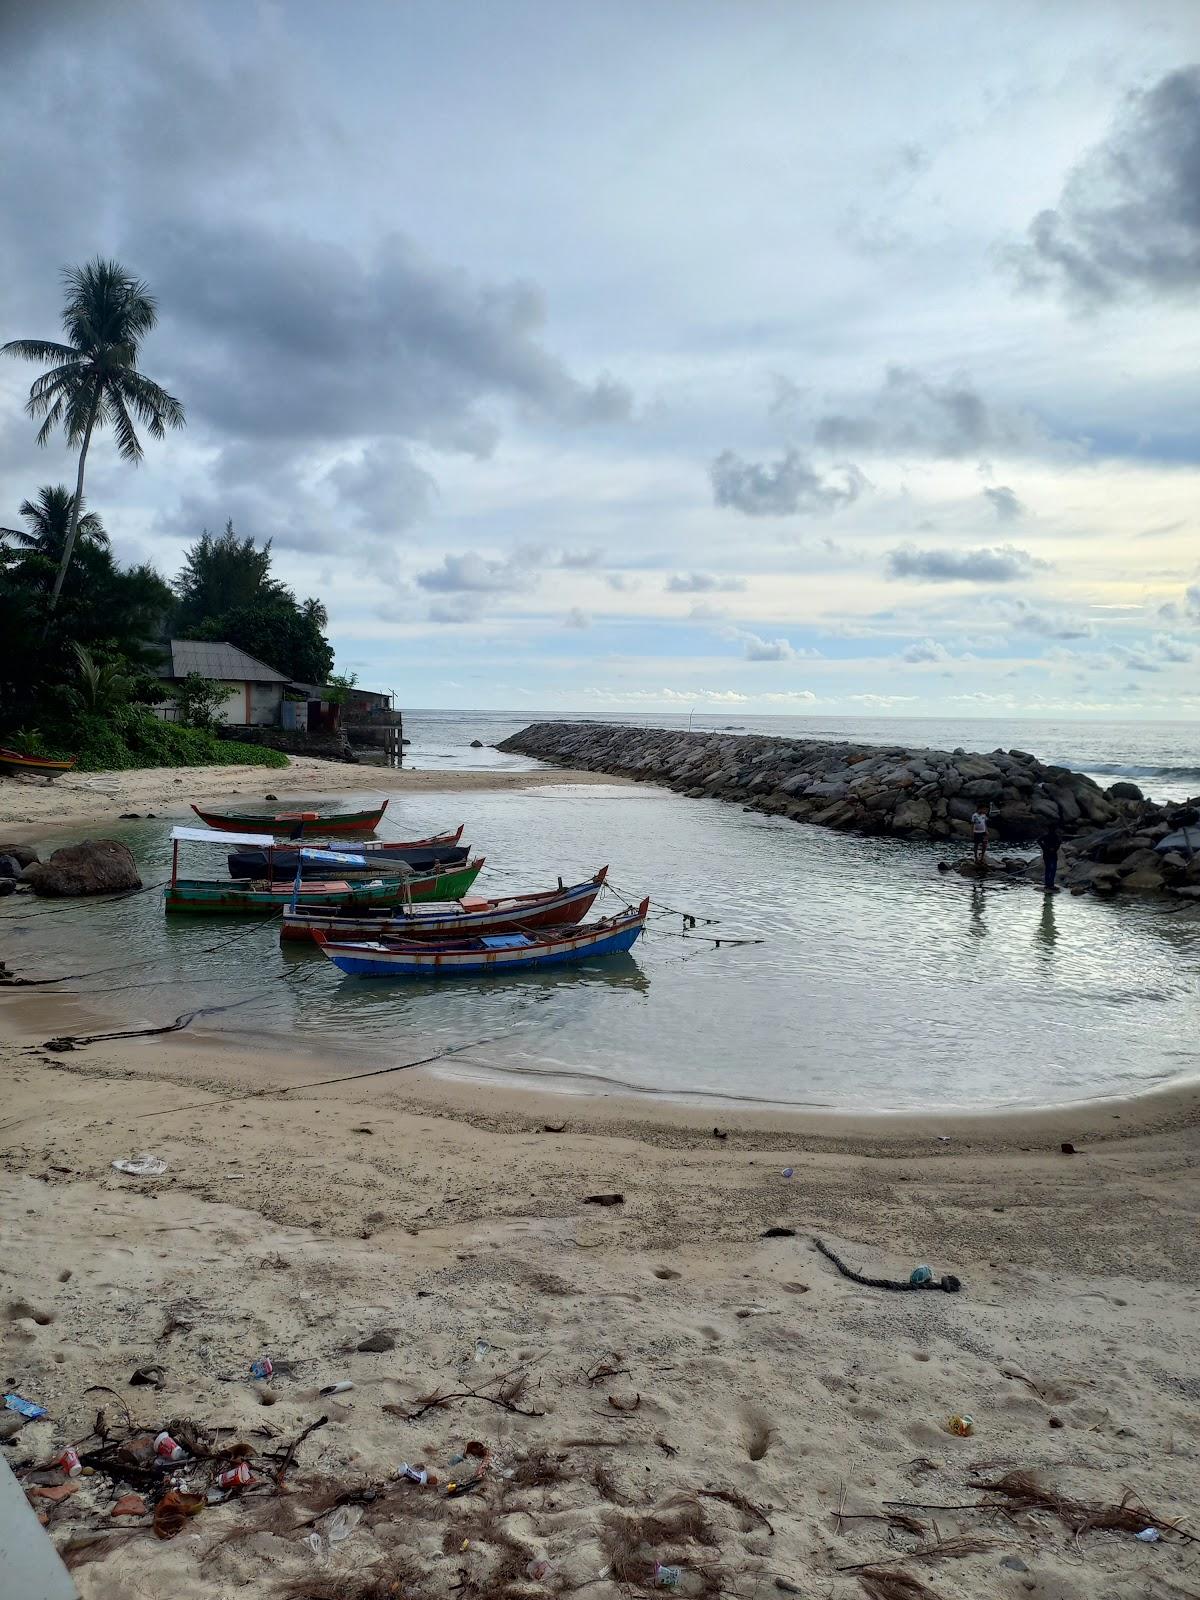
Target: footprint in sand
(757, 1433)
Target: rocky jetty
(895, 789)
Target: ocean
(824, 971)
(1162, 758)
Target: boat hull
(338, 822)
(13, 762)
(557, 908)
(214, 898)
(282, 863)
(444, 960)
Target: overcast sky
(608, 356)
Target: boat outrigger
(518, 913)
(294, 822)
(493, 953)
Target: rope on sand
(950, 1284)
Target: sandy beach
(169, 791)
(665, 1353)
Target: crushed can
(70, 1463)
(236, 1477)
(262, 1368)
(667, 1577)
(419, 1475)
(167, 1449)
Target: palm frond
(106, 305)
(44, 390)
(113, 408)
(155, 408)
(51, 422)
(38, 350)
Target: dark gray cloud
(385, 486)
(279, 336)
(999, 564)
(1004, 503)
(1128, 219)
(788, 487)
(701, 583)
(912, 415)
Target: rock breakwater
(892, 789)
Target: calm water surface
(878, 982)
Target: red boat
(12, 762)
(294, 823)
(468, 917)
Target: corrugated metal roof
(223, 661)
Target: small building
(254, 691)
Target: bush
(131, 738)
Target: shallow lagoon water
(879, 982)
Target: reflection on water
(879, 981)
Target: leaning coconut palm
(93, 379)
(49, 522)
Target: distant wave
(1134, 769)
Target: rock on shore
(889, 789)
(97, 866)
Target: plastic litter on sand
(143, 1166)
(27, 1408)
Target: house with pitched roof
(254, 690)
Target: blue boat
(498, 953)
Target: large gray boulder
(97, 866)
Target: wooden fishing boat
(272, 892)
(493, 953)
(294, 822)
(518, 913)
(280, 861)
(12, 762)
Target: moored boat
(552, 908)
(493, 953)
(295, 823)
(13, 762)
(283, 860)
(273, 892)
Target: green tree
(93, 380)
(338, 686)
(103, 685)
(198, 699)
(274, 630)
(49, 522)
(220, 574)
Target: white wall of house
(256, 703)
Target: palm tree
(314, 611)
(49, 519)
(93, 379)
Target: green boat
(266, 897)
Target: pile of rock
(872, 789)
(1126, 858)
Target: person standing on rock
(1051, 845)
(979, 833)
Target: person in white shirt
(979, 832)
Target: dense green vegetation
(81, 636)
(226, 591)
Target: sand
(169, 792)
(299, 1220)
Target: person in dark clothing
(1051, 845)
